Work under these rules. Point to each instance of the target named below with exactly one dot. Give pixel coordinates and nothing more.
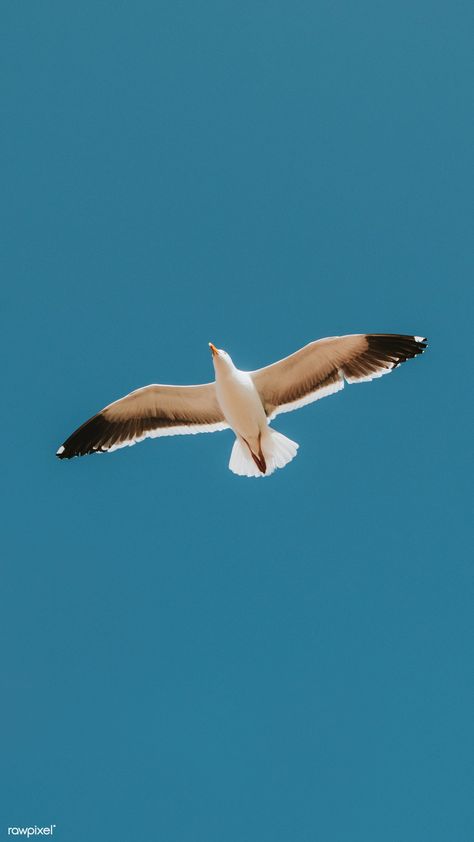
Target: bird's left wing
(146, 413)
(320, 368)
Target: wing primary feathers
(90, 437)
(385, 351)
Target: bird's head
(220, 358)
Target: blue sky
(189, 656)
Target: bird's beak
(213, 349)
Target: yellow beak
(213, 349)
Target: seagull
(245, 401)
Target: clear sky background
(189, 656)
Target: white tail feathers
(277, 450)
(241, 461)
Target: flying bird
(245, 401)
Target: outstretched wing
(320, 368)
(146, 413)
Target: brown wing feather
(147, 413)
(321, 367)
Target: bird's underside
(317, 370)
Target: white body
(258, 450)
(240, 403)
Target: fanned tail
(277, 449)
(241, 461)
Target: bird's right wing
(320, 368)
(146, 413)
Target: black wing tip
(66, 452)
(88, 438)
(70, 452)
(384, 352)
(404, 346)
